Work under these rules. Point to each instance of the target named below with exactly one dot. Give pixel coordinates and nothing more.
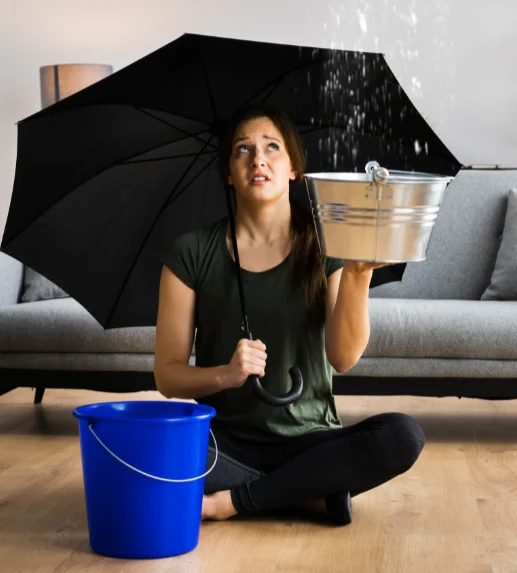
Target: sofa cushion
(433, 367)
(63, 325)
(503, 284)
(399, 328)
(464, 242)
(37, 287)
(73, 361)
(413, 328)
(11, 279)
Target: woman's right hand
(249, 358)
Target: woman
(306, 310)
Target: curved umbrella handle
(289, 398)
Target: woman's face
(260, 167)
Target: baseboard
(122, 381)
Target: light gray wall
(454, 58)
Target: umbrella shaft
(237, 262)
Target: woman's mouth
(259, 180)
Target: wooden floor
(455, 511)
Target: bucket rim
(394, 177)
(87, 412)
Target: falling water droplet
(362, 21)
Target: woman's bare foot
(218, 506)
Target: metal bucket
(378, 216)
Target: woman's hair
(306, 254)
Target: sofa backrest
(11, 279)
(464, 242)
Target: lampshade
(63, 80)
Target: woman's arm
(347, 322)
(173, 375)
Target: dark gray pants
(228, 472)
(355, 458)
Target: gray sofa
(430, 335)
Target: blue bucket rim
(86, 412)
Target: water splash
(364, 109)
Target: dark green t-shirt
(277, 315)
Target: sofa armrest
(11, 279)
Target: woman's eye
(243, 147)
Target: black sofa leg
(39, 395)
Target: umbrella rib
(129, 162)
(273, 88)
(210, 94)
(171, 198)
(171, 125)
(151, 227)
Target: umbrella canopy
(108, 176)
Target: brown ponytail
(306, 257)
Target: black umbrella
(108, 176)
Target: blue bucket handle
(149, 475)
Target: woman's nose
(257, 159)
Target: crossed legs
(309, 469)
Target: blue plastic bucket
(144, 465)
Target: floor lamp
(62, 80)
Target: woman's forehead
(257, 126)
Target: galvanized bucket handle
(379, 174)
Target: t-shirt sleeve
(182, 256)
(331, 265)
